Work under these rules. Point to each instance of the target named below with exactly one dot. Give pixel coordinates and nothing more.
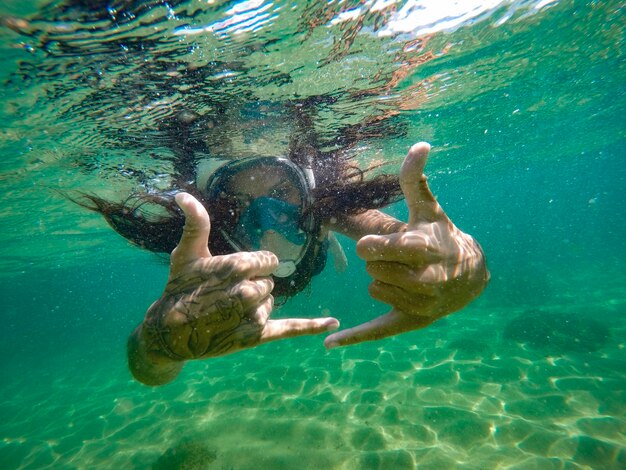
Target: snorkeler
(248, 223)
(214, 305)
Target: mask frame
(219, 193)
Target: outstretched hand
(215, 305)
(424, 272)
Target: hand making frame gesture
(426, 270)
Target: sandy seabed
(465, 393)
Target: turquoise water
(523, 103)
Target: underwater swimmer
(215, 305)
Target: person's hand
(424, 272)
(216, 305)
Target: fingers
(237, 266)
(412, 303)
(263, 311)
(424, 281)
(253, 292)
(423, 206)
(292, 327)
(391, 324)
(252, 298)
(194, 243)
(417, 246)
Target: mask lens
(265, 199)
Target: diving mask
(265, 201)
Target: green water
(524, 107)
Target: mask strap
(336, 250)
(308, 173)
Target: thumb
(194, 243)
(423, 206)
(390, 324)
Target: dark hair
(154, 222)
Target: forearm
(372, 222)
(149, 366)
